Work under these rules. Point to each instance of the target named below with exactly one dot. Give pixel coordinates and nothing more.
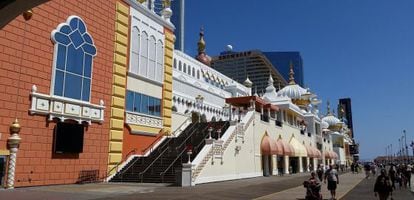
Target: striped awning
(270, 147)
(287, 148)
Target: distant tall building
(178, 18)
(254, 64)
(345, 112)
(282, 60)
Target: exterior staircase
(161, 164)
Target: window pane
(185, 68)
(151, 69)
(58, 83)
(151, 106)
(157, 107)
(75, 60)
(143, 66)
(159, 73)
(137, 102)
(175, 63)
(86, 89)
(73, 86)
(134, 63)
(88, 66)
(144, 104)
(61, 57)
(130, 101)
(144, 55)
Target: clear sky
(362, 49)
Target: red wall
(26, 53)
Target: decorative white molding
(144, 120)
(64, 108)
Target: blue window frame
(141, 103)
(74, 52)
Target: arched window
(193, 72)
(134, 50)
(175, 63)
(185, 68)
(144, 55)
(74, 52)
(151, 59)
(198, 74)
(179, 65)
(160, 62)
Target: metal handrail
(141, 174)
(189, 136)
(179, 156)
(119, 163)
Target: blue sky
(362, 49)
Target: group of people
(313, 185)
(385, 182)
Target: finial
(166, 3)
(291, 73)
(201, 43)
(278, 86)
(270, 82)
(329, 107)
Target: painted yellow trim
(118, 85)
(167, 113)
(145, 129)
(167, 122)
(115, 146)
(115, 135)
(167, 103)
(119, 70)
(118, 91)
(168, 87)
(4, 152)
(121, 28)
(117, 113)
(168, 78)
(121, 18)
(118, 102)
(167, 95)
(168, 52)
(122, 39)
(122, 9)
(121, 49)
(117, 124)
(120, 59)
(118, 80)
(114, 158)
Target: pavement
(275, 187)
(346, 183)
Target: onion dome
(324, 125)
(248, 83)
(270, 94)
(294, 91)
(202, 56)
(334, 123)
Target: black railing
(278, 123)
(264, 118)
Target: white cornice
(142, 9)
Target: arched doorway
(268, 148)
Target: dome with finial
(201, 44)
(293, 90)
(334, 123)
(270, 94)
(248, 83)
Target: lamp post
(189, 152)
(13, 141)
(405, 146)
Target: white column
(308, 163)
(275, 169)
(315, 164)
(286, 164)
(300, 164)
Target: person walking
(333, 179)
(392, 173)
(383, 187)
(319, 171)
